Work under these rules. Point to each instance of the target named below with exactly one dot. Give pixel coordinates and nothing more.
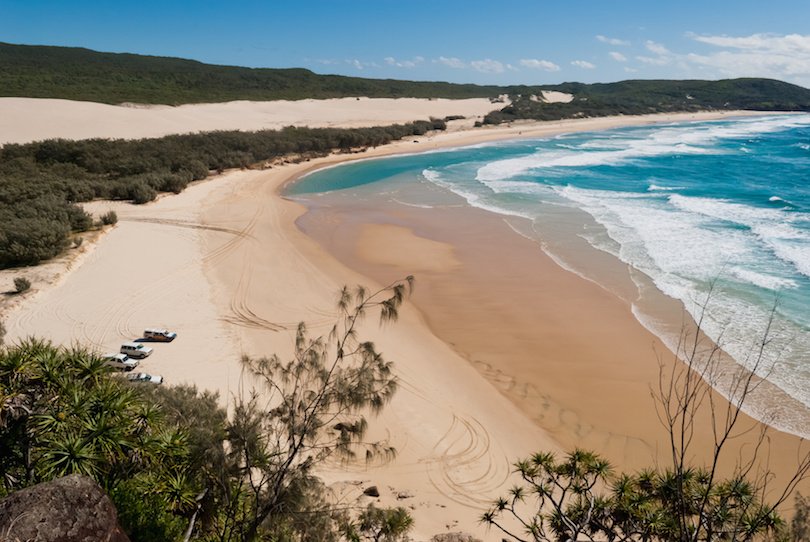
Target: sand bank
(30, 119)
(225, 265)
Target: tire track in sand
(464, 468)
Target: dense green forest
(81, 74)
(42, 182)
(641, 97)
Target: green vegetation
(109, 218)
(173, 462)
(41, 182)
(62, 412)
(641, 97)
(81, 74)
(21, 284)
(380, 525)
(568, 505)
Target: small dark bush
(109, 218)
(21, 284)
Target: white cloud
(758, 55)
(654, 61)
(612, 41)
(770, 43)
(656, 48)
(584, 64)
(451, 62)
(415, 61)
(487, 66)
(360, 65)
(618, 57)
(537, 64)
(628, 69)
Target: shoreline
(379, 231)
(231, 271)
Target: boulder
(372, 491)
(69, 509)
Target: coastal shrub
(42, 181)
(78, 218)
(380, 524)
(109, 218)
(64, 412)
(21, 284)
(144, 515)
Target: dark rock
(454, 537)
(372, 491)
(404, 495)
(69, 509)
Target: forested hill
(638, 97)
(81, 74)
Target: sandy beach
(227, 266)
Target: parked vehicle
(136, 350)
(144, 377)
(120, 361)
(161, 335)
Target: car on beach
(159, 335)
(119, 361)
(145, 377)
(136, 350)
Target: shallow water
(716, 211)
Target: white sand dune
(31, 119)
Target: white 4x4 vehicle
(135, 350)
(120, 361)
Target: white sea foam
(659, 141)
(512, 167)
(774, 228)
(657, 188)
(474, 196)
(775, 198)
(726, 210)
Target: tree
(730, 498)
(62, 411)
(307, 409)
(558, 501)
(379, 525)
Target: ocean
(714, 214)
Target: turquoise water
(721, 206)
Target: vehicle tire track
(463, 468)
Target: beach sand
(30, 119)
(226, 266)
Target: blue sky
(531, 42)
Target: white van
(161, 335)
(121, 362)
(135, 350)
